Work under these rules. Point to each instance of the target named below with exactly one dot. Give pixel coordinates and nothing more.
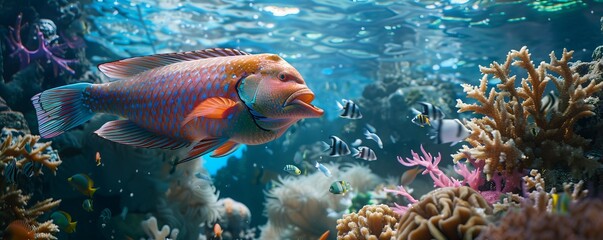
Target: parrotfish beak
(299, 104)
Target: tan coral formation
(445, 213)
(515, 132)
(372, 222)
(17, 150)
(13, 206)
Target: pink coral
(431, 166)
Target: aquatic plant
(445, 213)
(516, 130)
(302, 207)
(371, 222)
(13, 207)
(45, 49)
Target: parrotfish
(83, 183)
(206, 100)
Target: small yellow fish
(87, 205)
(98, 159)
(63, 220)
(421, 120)
(83, 183)
(292, 169)
(339, 187)
(409, 176)
(561, 202)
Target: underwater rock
(16, 120)
(371, 222)
(445, 213)
(235, 218)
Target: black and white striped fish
(449, 131)
(349, 109)
(337, 147)
(10, 172)
(365, 153)
(550, 102)
(31, 168)
(428, 113)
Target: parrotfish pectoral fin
(215, 108)
(227, 148)
(128, 133)
(129, 67)
(62, 108)
(203, 147)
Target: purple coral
(44, 49)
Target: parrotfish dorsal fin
(129, 67)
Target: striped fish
(10, 172)
(365, 153)
(204, 101)
(549, 103)
(349, 109)
(31, 168)
(292, 169)
(337, 147)
(449, 131)
(428, 113)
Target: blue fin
(128, 133)
(131, 66)
(62, 108)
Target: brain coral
(445, 213)
(371, 222)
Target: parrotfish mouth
(303, 98)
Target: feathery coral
(445, 213)
(516, 130)
(13, 207)
(372, 222)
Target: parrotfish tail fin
(325, 146)
(62, 108)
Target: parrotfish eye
(282, 76)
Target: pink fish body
(206, 100)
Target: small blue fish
(323, 169)
(87, 205)
(10, 172)
(105, 215)
(205, 177)
(374, 137)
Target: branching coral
(445, 213)
(517, 131)
(13, 208)
(26, 149)
(152, 230)
(372, 222)
(45, 50)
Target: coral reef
(13, 207)
(234, 219)
(370, 223)
(445, 213)
(302, 207)
(46, 49)
(26, 149)
(152, 230)
(517, 131)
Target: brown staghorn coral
(372, 222)
(445, 213)
(18, 150)
(13, 207)
(516, 132)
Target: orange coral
(10, 150)
(372, 222)
(445, 213)
(13, 207)
(515, 132)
